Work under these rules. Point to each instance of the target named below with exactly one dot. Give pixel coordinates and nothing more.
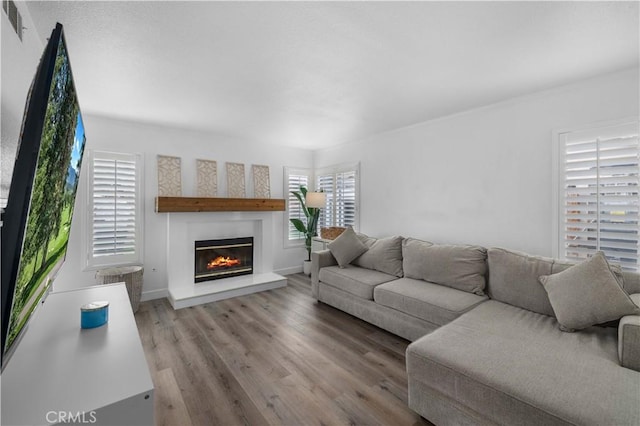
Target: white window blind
(294, 178)
(341, 187)
(599, 196)
(115, 205)
(295, 208)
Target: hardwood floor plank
(276, 357)
(308, 359)
(252, 372)
(312, 402)
(230, 401)
(170, 408)
(205, 401)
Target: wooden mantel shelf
(201, 204)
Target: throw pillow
(384, 255)
(587, 294)
(346, 247)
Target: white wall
(482, 176)
(19, 62)
(150, 140)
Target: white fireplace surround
(183, 229)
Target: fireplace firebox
(230, 257)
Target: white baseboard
(289, 271)
(154, 294)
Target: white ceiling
(316, 74)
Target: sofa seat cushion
(353, 279)
(431, 302)
(513, 366)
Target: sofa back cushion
(384, 255)
(631, 282)
(462, 267)
(513, 279)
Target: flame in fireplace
(222, 262)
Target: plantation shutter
(326, 184)
(114, 205)
(346, 198)
(600, 206)
(295, 181)
(342, 196)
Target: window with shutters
(293, 179)
(598, 199)
(114, 207)
(341, 185)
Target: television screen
(37, 219)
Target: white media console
(60, 372)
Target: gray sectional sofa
(487, 347)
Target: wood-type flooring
(273, 358)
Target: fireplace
(215, 259)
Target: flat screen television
(37, 218)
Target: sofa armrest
(319, 259)
(629, 339)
